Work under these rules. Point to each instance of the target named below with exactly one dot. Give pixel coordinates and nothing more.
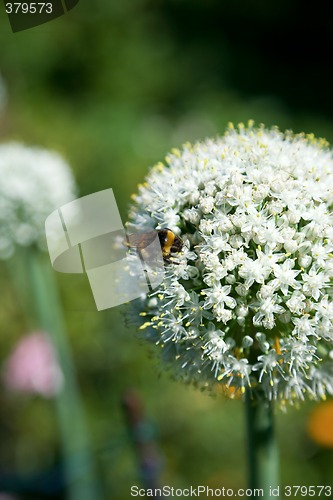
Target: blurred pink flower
(32, 367)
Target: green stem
(33, 270)
(263, 458)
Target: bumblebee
(169, 241)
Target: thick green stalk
(34, 272)
(263, 457)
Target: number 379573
(29, 8)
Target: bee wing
(140, 240)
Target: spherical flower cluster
(248, 304)
(33, 182)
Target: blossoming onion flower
(249, 302)
(33, 182)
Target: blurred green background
(113, 86)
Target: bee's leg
(169, 260)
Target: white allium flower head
(250, 302)
(33, 183)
